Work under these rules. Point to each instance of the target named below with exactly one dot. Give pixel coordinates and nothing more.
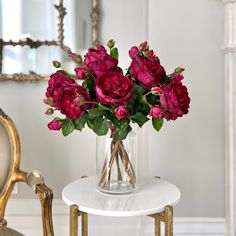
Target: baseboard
(24, 215)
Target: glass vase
(117, 163)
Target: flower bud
(81, 73)
(143, 46)
(121, 112)
(111, 43)
(49, 101)
(156, 90)
(56, 124)
(179, 70)
(56, 64)
(76, 58)
(156, 112)
(49, 111)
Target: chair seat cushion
(4, 231)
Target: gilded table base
(166, 216)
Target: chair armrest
(36, 182)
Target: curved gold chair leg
(74, 213)
(45, 196)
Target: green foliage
(152, 99)
(157, 123)
(80, 122)
(68, 126)
(93, 113)
(122, 132)
(138, 89)
(100, 126)
(139, 118)
(89, 85)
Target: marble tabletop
(150, 197)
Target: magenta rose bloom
(156, 112)
(97, 60)
(113, 88)
(121, 112)
(174, 100)
(56, 82)
(72, 101)
(147, 70)
(56, 124)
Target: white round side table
(154, 198)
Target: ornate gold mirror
(35, 32)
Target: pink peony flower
(113, 88)
(174, 100)
(72, 101)
(121, 112)
(156, 112)
(56, 124)
(97, 60)
(148, 71)
(56, 82)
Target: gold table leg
(84, 223)
(167, 217)
(168, 221)
(74, 213)
(157, 227)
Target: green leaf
(152, 99)
(100, 126)
(93, 113)
(139, 118)
(132, 101)
(103, 108)
(89, 85)
(90, 123)
(157, 123)
(114, 52)
(67, 127)
(80, 122)
(138, 89)
(143, 99)
(122, 132)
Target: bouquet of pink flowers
(112, 98)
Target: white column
(229, 49)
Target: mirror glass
(37, 20)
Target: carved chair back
(9, 161)
(10, 174)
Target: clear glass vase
(117, 164)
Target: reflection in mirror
(34, 25)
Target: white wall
(188, 152)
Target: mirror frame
(34, 44)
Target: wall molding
(229, 50)
(24, 215)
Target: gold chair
(10, 174)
